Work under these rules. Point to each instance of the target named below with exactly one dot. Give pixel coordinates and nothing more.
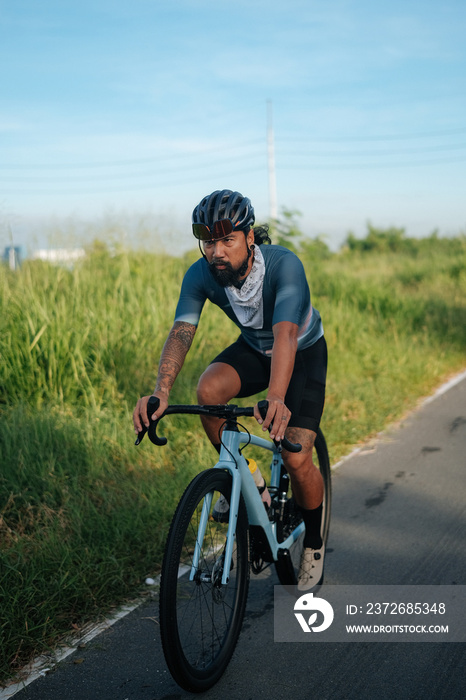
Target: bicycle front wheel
(287, 567)
(200, 619)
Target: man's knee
(219, 383)
(295, 461)
(204, 389)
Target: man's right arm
(173, 356)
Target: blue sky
(139, 109)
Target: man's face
(230, 258)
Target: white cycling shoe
(311, 569)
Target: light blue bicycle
(205, 571)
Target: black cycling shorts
(306, 391)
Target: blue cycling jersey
(285, 297)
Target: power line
(371, 166)
(375, 152)
(134, 161)
(167, 157)
(375, 137)
(252, 159)
(131, 187)
(143, 173)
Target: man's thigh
(252, 368)
(306, 392)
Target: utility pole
(273, 214)
(13, 260)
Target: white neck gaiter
(247, 302)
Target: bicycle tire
(287, 568)
(200, 620)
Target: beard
(229, 276)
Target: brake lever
(152, 405)
(289, 446)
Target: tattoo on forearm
(184, 333)
(174, 353)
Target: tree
(285, 229)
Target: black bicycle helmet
(225, 204)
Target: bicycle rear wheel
(287, 566)
(200, 620)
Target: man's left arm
(283, 358)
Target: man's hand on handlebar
(276, 418)
(157, 409)
(140, 417)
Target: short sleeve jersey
(286, 297)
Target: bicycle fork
(231, 532)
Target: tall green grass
(396, 326)
(84, 513)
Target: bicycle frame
(243, 482)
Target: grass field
(84, 513)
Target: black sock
(217, 446)
(312, 521)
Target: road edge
(442, 389)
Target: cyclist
(281, 348)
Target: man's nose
(219, 249)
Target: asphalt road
(399, 517)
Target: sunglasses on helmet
(220, 229)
